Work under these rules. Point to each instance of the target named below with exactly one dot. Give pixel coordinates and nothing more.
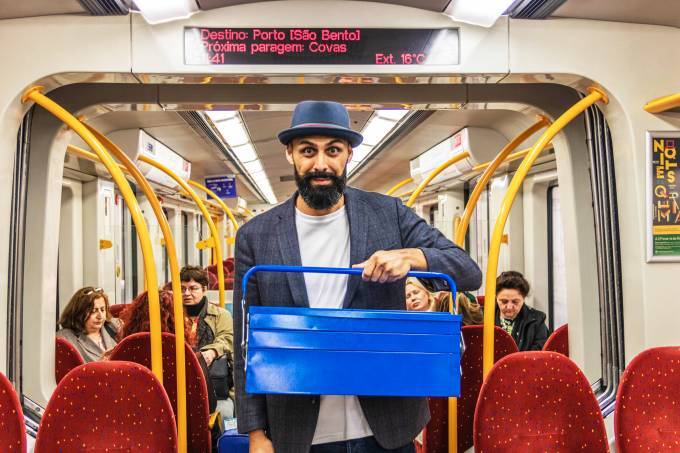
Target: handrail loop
(178, 306)
(433, 174)
(34, 94)
(399, 185)
(206, 215)
(595, 95)
(462, 226)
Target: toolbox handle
(322, 270)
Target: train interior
(577, 228)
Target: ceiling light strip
(233, 130)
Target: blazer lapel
(358, 216)
(290, 253)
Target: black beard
(321, 198)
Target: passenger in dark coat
(525, 324)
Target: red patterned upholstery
(647, 414)
(212, 281)
(480, 300)
(12, 429)
(536, 402)
(558, 341)
(66, 358)
(108, 406)
(137, 348)
(229, 266)
(435, 435)
(116, 309)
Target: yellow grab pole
(453, 402)
(663, 103)
(219, 201)
(150, 277)
(178, 306)
(461, 228)
(433, 174)
(206, 215)
(399, 185)
(595, 95)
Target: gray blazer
(88, 349)
(377, 222)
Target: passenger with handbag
(327, 224)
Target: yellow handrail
(206, 215)
(414, 196)
(664, 103)
(178, 307)
(399, 185)
(150, 277)
(516, 183)
(461, 228)
(219, 201)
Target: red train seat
(66, 358)
(137, 348)
(647, 414)
(535, 402)
(558, 341)
(119, 406)
(116, 309)
(13, 431)
(435, 435)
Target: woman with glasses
(87, 324)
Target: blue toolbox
(319, 351)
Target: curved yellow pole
(150, 277)
(595, 95)
(206, 215)
(399, 185)
(219, 201)
(461, 228)
(664, 103)
(178, 306)
(433, 174)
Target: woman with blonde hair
(419, 298)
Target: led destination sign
(346, 46)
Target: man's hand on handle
(391, 265)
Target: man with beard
(328, 224)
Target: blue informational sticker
(223, 186)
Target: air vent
(287, 178)
(534, 9)
(106, 7)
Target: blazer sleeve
(441, 254)
(251, 410)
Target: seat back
(535, 402)
(435, 436)
(66, 358)
(114, 406)
(558, 341)
(647, 414)
(13, 430)
(116, 309)
(137, 348)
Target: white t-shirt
(324, 241)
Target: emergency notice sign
(663, 193)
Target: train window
(166, 261)
(557, 289)
(201, 236)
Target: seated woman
(135, 319)
(87, 324)
(525, 324)
(419, 298)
